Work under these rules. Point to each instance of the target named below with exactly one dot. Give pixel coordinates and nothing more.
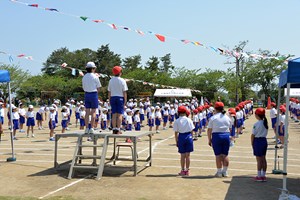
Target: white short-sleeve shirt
(90, 82)
(282, 119)
(30, 114)
(259, 129)
(137, 118)
(183, 125)
(117, 86)
(219, 123)
(273, 113)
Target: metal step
(88, 156)
(90, 145)
(85, 167)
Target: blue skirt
(30, 121)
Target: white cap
(128, 110)
(72, 101)
(90, 65)
(30, 106)
(81, 102)
(152, 107)
(157, 107)
(63, 107)
(104, 109)
(55, 101)
(82, 106)
(53, 105)
(67, 104)
(47, 108)
(51, 108)
(77, 103)
(13, 106)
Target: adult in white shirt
(117, 93)
(91, 86)
(219, 128)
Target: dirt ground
(32, 176)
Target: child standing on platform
(30, 123)
(260, 144)
(52, 123)
(183, 128)
(64, 118)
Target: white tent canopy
(173, 93)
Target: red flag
(21, 55)
(98, 20)
(33, 5)
(113, 26)
(160, 37)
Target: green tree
(17, 77)
(132, 62)
(166, 64)
(153, 64)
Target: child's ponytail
(265, 122)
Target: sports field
(32, 176)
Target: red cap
(273, 104)
(195, 111)
(117, 70)
(282, 109)
(219, 104)
(181, 109)
(237, 108)
(187, 112)
(232, 111)
(260, 111)
(200, 108)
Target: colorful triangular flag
(113, 26)
(51, 9)
(83, 18)
(160, 37)
(98, 20)
(33, 5)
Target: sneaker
(187, 173)
(90, 139)
(195, 138)
(15, 138)
(199, 135)
(91, 131)
(27, 135)
(32, 135)
(264, 179)
(39, 128)
(219, 175)
(51, 139)
(67, 128)
(231, 143)
(182, 173)
(164, 128)
(157, 131)
(258, 179)
(225, 174)
(86, 131)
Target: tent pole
(11, 127)
(275, 170)
(286, 136)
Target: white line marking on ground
(64, 187)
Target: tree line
(235, 83)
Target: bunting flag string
(79, 72)
(160, 37)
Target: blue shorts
(103, 125)
(108, 116)
(70, 112)
(77, 116)
(281, 133)
(91, 100)
(38, 116)
(22, 120)
(203, 122)
(64, 123)
(97, 118)
(82, 122)
(297, 113)
(52, 125)
(150, 122)
(220, 143)
(2, 120)
(142, 117)
(185, 143)
(232, 133)
(239, 123)
(172, 117)
(56, 118)
(129, 127)
(273, 122)
(117, 105)
(137, 126)
(166, 119)
(246, 111)
(15, 124)
(157, 122)
(260, 146)
(30, 121)
(196, 126)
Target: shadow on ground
(243, 187)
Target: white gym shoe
(32, 135)
(219, 175)
(225, 174)
(86, 131)
(91, 131)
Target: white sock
(263, 173)
(225, 169)
(219, 170)
(259, 173)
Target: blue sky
(268, 24)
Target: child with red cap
(183, 127)
(91, 86)
(260, 144)
(273, 116)
(196, 124)
(281, 125)
(117, 93)
(218, 133)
